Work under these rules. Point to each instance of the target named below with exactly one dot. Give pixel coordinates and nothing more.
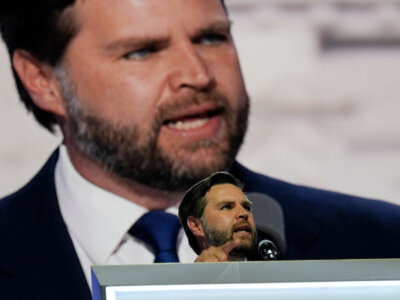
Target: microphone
(269, 220)
(267, 250)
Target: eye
(212, 39)
(247, 207)
(140, 54)
(226, 207)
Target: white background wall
(324, 117)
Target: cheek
(229, 78)
(124, 99)
(118, 91)
(252, 223)
(223, 222)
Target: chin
(205, 162)
(242, 251)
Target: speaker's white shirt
(98, 222)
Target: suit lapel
(45, 259)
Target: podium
(325, 279)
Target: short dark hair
(194, 201)
(44, 29)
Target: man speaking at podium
(217, 219)
(150, 99)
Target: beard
(134, 154)
(218, 238)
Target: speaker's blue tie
(159, 230)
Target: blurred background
(323, 78)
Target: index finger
(229, 246)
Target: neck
(150, 198)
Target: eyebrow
(224, 202)
(137, 43)
(218, 26)
(247, 202)
(222, 26)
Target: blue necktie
(159, 230)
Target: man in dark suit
(150, 99)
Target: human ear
(39, 81)
(195, 226)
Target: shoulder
(298, 195)
(41, 184)
(323, 224)
(23, 212)
(36, 241)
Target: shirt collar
(97, 218)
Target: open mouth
(244, 228)
(193, 120)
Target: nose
(243, 213)
(190, 70)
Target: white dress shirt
(98, 221)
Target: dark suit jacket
(38, 260)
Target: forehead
(110, 17)
(225, 192)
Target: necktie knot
(159, 230)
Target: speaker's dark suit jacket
(38, 260)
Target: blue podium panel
(333, 279)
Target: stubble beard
(218, 238)
(132, 155)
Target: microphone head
(267, 250)
(269, 220)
